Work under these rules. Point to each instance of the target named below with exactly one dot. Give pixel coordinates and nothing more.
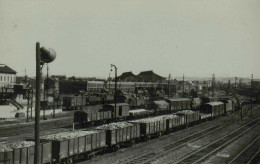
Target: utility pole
(53, 104)
(169, 85)
(252, 76)
(183, 86)
(115, 94)
(28, 103)
(235, 85)
(109, 82)
(43, 55)
(31, 101)
(37, 106)
(213, 85)
(136, 93)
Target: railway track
(150, 156)
(25, 130)
(248, 155)
(204, 152)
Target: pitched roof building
(149, 76)
(7, 76)
(127, 76)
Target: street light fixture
(43, 56)
(115, 93)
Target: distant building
(60, 77)
(127, 77)
(256, 85)
(7, 76)
(150, 76)
(51, 85)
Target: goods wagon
(88, 119)
(228, 105)
(177, 104)
(140, 113)
(121, 110)
(216, 109)
(173, 121)
(120, 134)
(205, 100)
(71, 144)
(191, 117)
(71, 102)
(151, 127)
(95, 98)
(205, 116)
(21, 152)
(160, 106)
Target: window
(4, 78)
(11, 79)
(8, 78)
(1, 78)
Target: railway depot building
(7, 76)
(145, 76)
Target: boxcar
(121, 110)
(228, 105)
(177, 104)
(88, 118)
(216, 109)
(160, 106)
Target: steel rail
(196, 153)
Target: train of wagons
(82, 144)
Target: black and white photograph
(129, 82)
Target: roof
(215, 103)
(5, 69)
(149, 76)
(160, 102)
(179, 99)
(119, 104)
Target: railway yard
(222, 140)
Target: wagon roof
(137, 110)
(160, 102)
(119, 104)
(215, 103)
(179, 99)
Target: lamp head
(47, 55)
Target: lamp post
(115, 94)
(43, 56)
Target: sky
(192, 37)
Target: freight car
(20, 152)
(105, 115)
(160, 107)
(216, 109)
(177, 104)
(228, 105)
(74, 144)
(120, 134)
(151, 127)
(81, 144)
